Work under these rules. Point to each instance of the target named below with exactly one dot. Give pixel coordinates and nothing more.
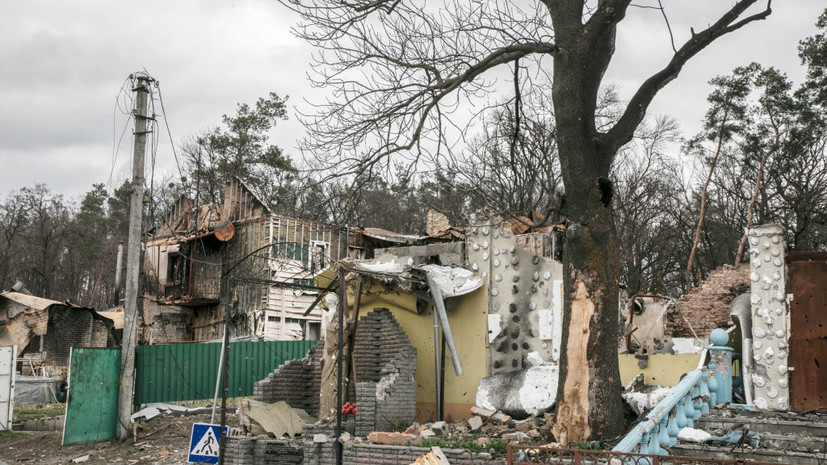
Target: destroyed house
(268, 261)
(500, 293)
(45, 331)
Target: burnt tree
(398, 69)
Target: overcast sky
(62, 64)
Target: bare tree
(398, 68)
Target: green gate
(187, 371)
(92, 406)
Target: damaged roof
(452, 281)
(390, 236)
(37, 303)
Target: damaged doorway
(808, 330)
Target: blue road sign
(204, 443)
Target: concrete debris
(688, 434)
(645, 399)
(345, 438)
(474, 423)
(428, 433)
(150, 411)
(484, 426)
(521, 393)
(434, 457)
(82, 458)
(278, 419)
(439, 428)
(516, 436)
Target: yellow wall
(469, 327)
(662, 370)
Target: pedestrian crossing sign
(204, 443)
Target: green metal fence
(173, 372)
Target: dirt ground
(164, 439)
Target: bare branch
(623, 131)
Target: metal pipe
(339, 357)
(442, 380)
(437, 368)
(218, 376)
(439, 307)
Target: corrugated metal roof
(38, 303)
(115, 316)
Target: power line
(169, 133)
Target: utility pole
(133, 259)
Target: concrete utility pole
(133, 260)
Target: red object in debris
(349, 408)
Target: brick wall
(297, 382)
(68, 328)
(385, 368)
(100, 334)
(707, 306)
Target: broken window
(319, 258)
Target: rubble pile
(483, 427)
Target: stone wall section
(165, 324)
(707, 306)
(770, 316)
(297, 382)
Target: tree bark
(589, 402)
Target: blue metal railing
(699, 390)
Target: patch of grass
(11, 435)
(498, 445)
(585, 445)
(34, 412)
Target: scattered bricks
(483, 412)
(501, 417)
(533, 434)
(474, 423)
(319, 438)
(517, 436)
(524, 425)
(379, 437)
(427, 434)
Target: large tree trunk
(589, 401)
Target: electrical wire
(169, 133)
(123, 93)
